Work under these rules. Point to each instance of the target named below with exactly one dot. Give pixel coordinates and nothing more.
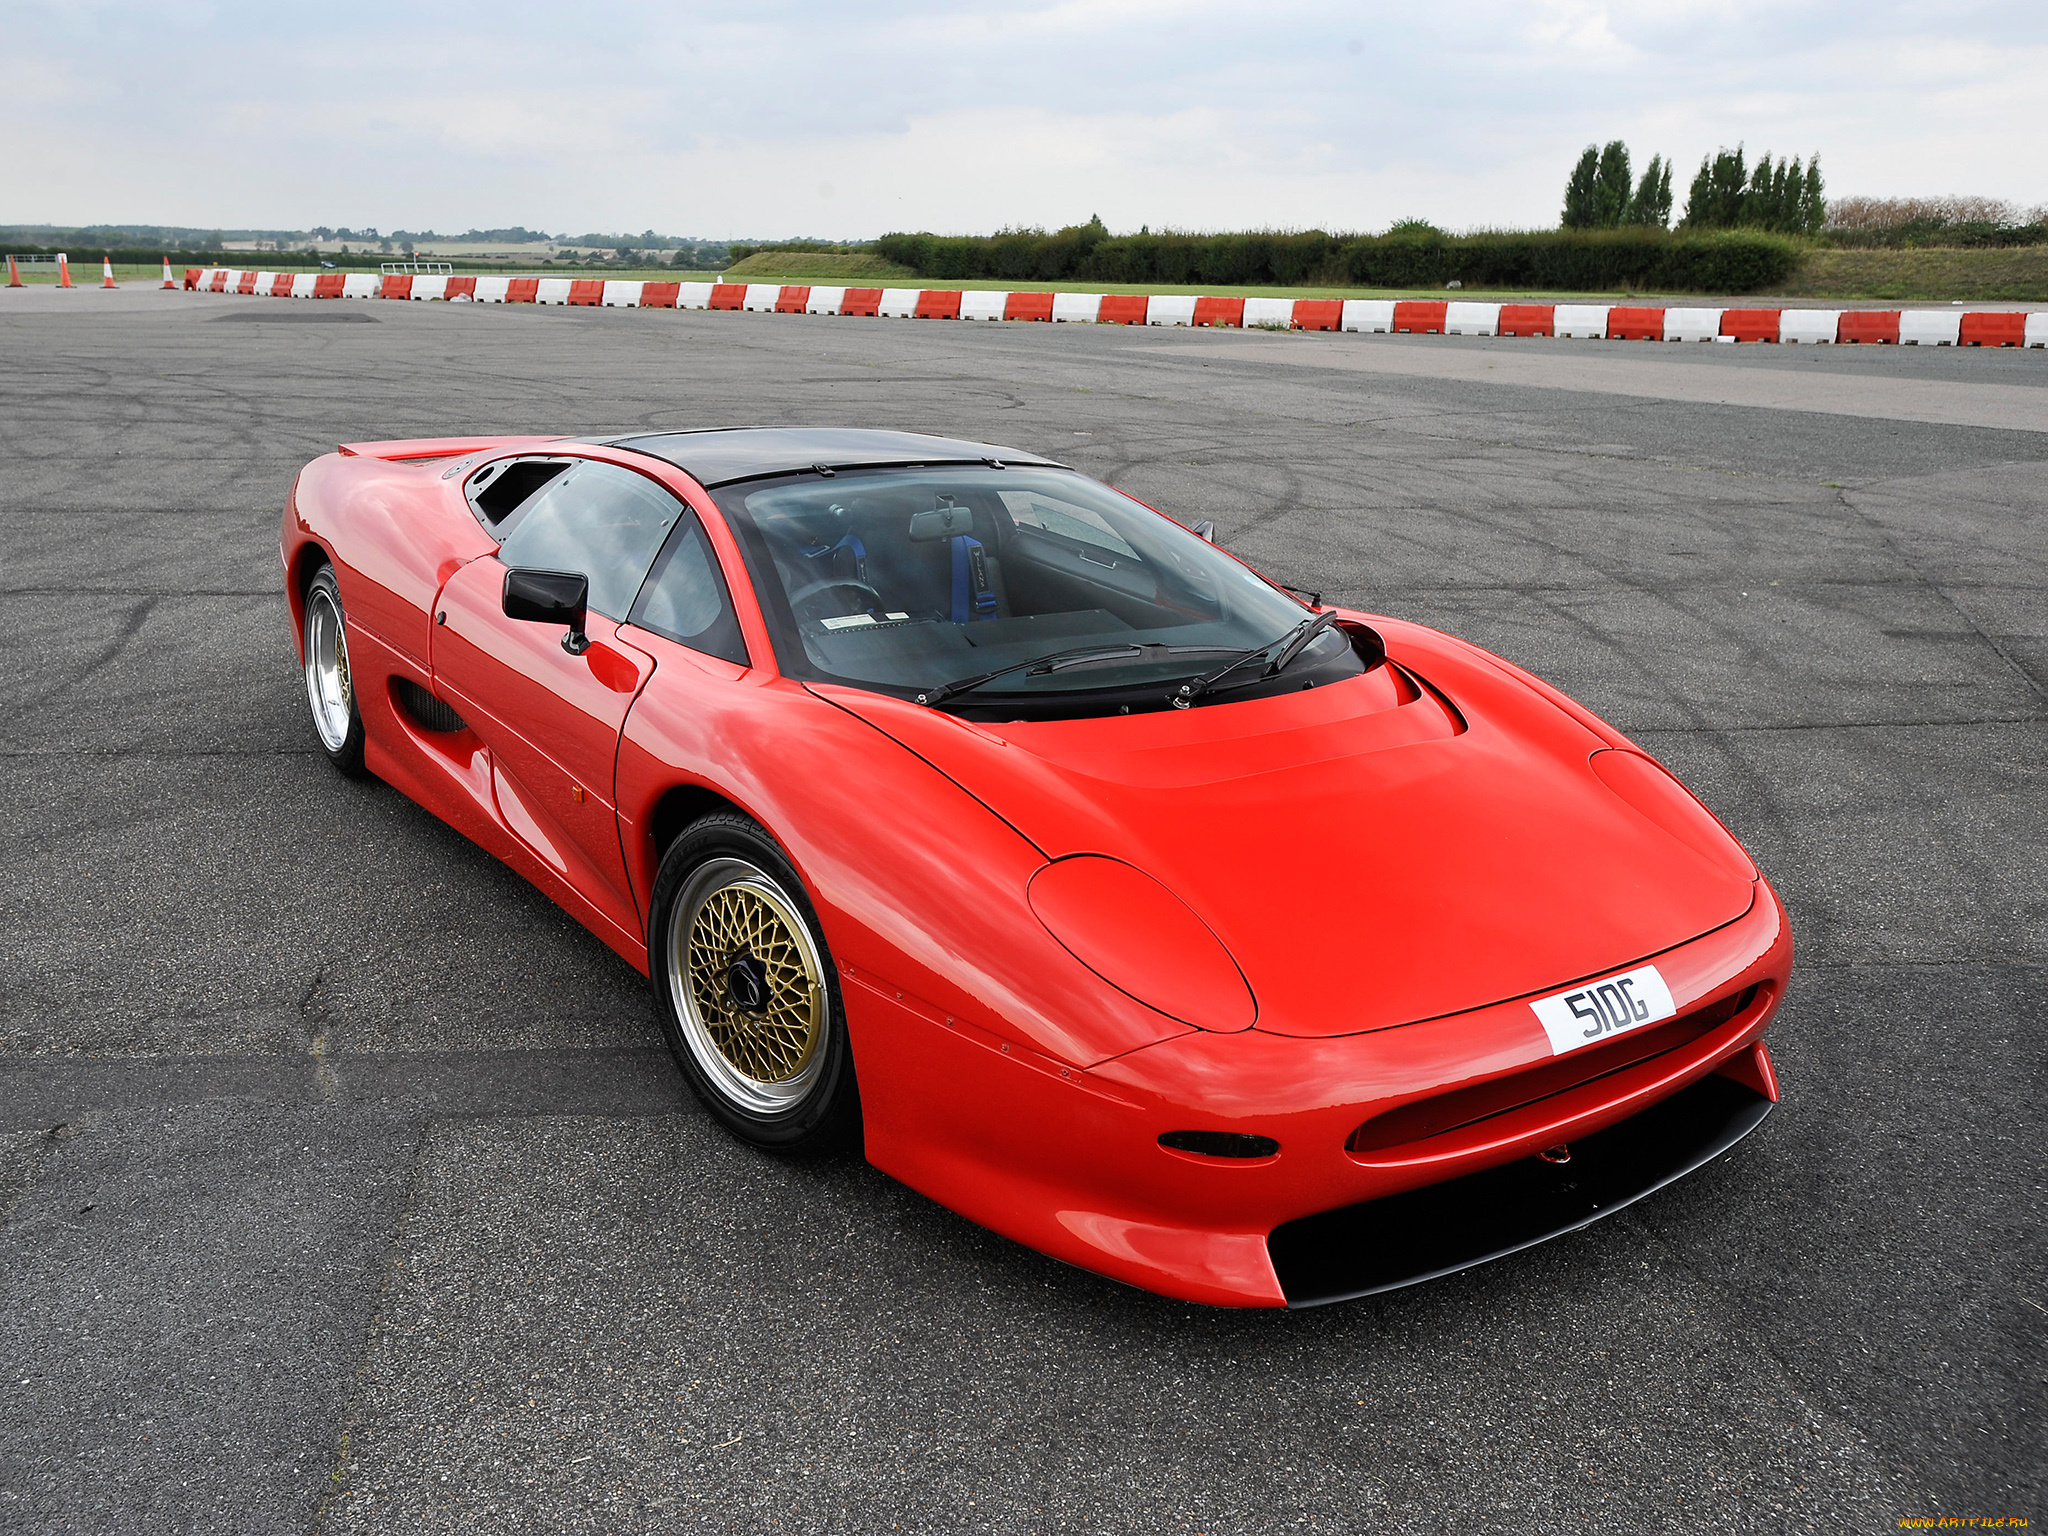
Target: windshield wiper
(1057, 661)
(1285, 649)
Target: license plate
(1612, 1006)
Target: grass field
(2018, 274)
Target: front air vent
(1232, 1144)
(423, 709)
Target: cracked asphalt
(345, 1186)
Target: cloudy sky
(780, 117)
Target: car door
(550, 718)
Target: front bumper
(1068, 1160)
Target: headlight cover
(1143, 940)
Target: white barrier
(492, 290)
(1170, 309)
(1930, 327)
(1692, 324)
(2037, 329)
(265, 281)
(1078, 307)
(622, 295)
(1268, 312)
(762, 298)
(983, 304)
(1588, 322)
(899, 303)
(825, 301)
(1471, 319)
(694, 295)
(1372, 316)
(435, 287)
(304, 284)
(361, 285)
(1812, 326)
(552, 290)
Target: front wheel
(330, 689)
(749, 1002)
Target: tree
(1611, 186)
(1718, 191)
(1651, 205)
(1581, 205)
(1813, 205)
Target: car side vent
(1220, 1143)
(426, 711)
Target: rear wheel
(330, 688)
(748, 999)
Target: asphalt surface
(346, 1186)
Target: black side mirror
(1203, 530)
(551, 597)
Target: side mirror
(550, 597)
(1204, 530)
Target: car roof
(723, 455)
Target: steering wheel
(836, 583)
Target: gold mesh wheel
(748, 986)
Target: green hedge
(1733, 261)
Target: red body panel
(1387, 868)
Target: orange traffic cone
(167, 275)
(107, 273)
(64, 271)
(14, 273)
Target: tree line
(1778, 196)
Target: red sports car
(1249, 950)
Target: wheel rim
(748, 986)
(327, 680)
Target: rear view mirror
(940, 523)
(550, 597)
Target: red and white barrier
(1930, 327)
(1464, 319)
(1951, 327)
(1692, 325)
(1588, 322)
(1369, 316)
(1814, 327)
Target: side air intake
(424, 710)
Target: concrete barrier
(2037, 329)
(762, 298)
(1170, 309)
(1269, 312)
(824, 301)
(622, 294)
(694, 295)
(552, 290)
(1076, 307)
(361, 285)
(983, 304)
(1587, 322)
(899, 303)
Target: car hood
(1425, 839)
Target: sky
(779, 118)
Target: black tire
(330, 690)
(776, 1074)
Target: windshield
(911, 579)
